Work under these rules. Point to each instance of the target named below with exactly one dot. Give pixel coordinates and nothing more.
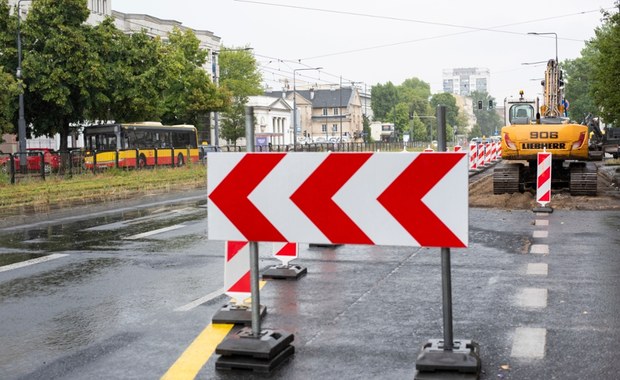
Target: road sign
(407, 199)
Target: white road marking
(201, 300)
(541, 222)
(541, 234)
(155, 232)
(32, 262)
(532, 298)
(539, 249)
(540, 269)
(529, 342)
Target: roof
(322, 97)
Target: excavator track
(583, 179)
(506, 178)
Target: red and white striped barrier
(237, 271)
(473, 156)
(285, 252)
(457, 148)
(480, 155)
(487, 153)
(543, 178)
(499, 150)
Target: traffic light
(479, 104)
(490, 104)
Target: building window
(334, 127)
(324, 128)
(335, 111)
(324, 111)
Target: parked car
(51, 160)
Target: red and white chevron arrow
(543, 178)
(407, 199)
(285, 252)
(237, 271)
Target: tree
(190, 94)
(60, 70)
(9, 90)
(399, 115)
(419, 130)
(606, 68)
(239, 74)
(487, 119)
(384, 97)
(578, 78)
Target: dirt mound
(481, 195)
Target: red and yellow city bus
(138, 145)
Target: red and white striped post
(473, 156)
(487, 153)
(543, 181)
(285, 252)
(457, 148)
(237, 285)
(237, 271)
(480, 155)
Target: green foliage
(239, 75)
(190, 93)
(606, 69)
(384, 97)
(486, 119)
(9, 91)
(419, 130)
(399, 115)
(578, 89)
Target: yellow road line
(198, 353)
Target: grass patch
(86, 188)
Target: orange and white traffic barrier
(543, 178)
(473, 156)
(237, 271)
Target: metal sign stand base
(463, 359)
(244, 351)
(237, 314)
(545, 209)
(285, 272)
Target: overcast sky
(372, 42)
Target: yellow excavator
(530, 129)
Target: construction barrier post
(285, 252)
(237, 285)
(438, 357)
(473, 157)
(254, 348)
(543, 181)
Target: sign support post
(254, 348)
(447, 355)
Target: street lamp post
(556, 42)
(295, 104)
(21, 121)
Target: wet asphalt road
(113, 300)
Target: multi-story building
(326, 114)
(464, 81)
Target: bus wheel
(142, 161)
(180, 161)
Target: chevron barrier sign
(403, 199)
